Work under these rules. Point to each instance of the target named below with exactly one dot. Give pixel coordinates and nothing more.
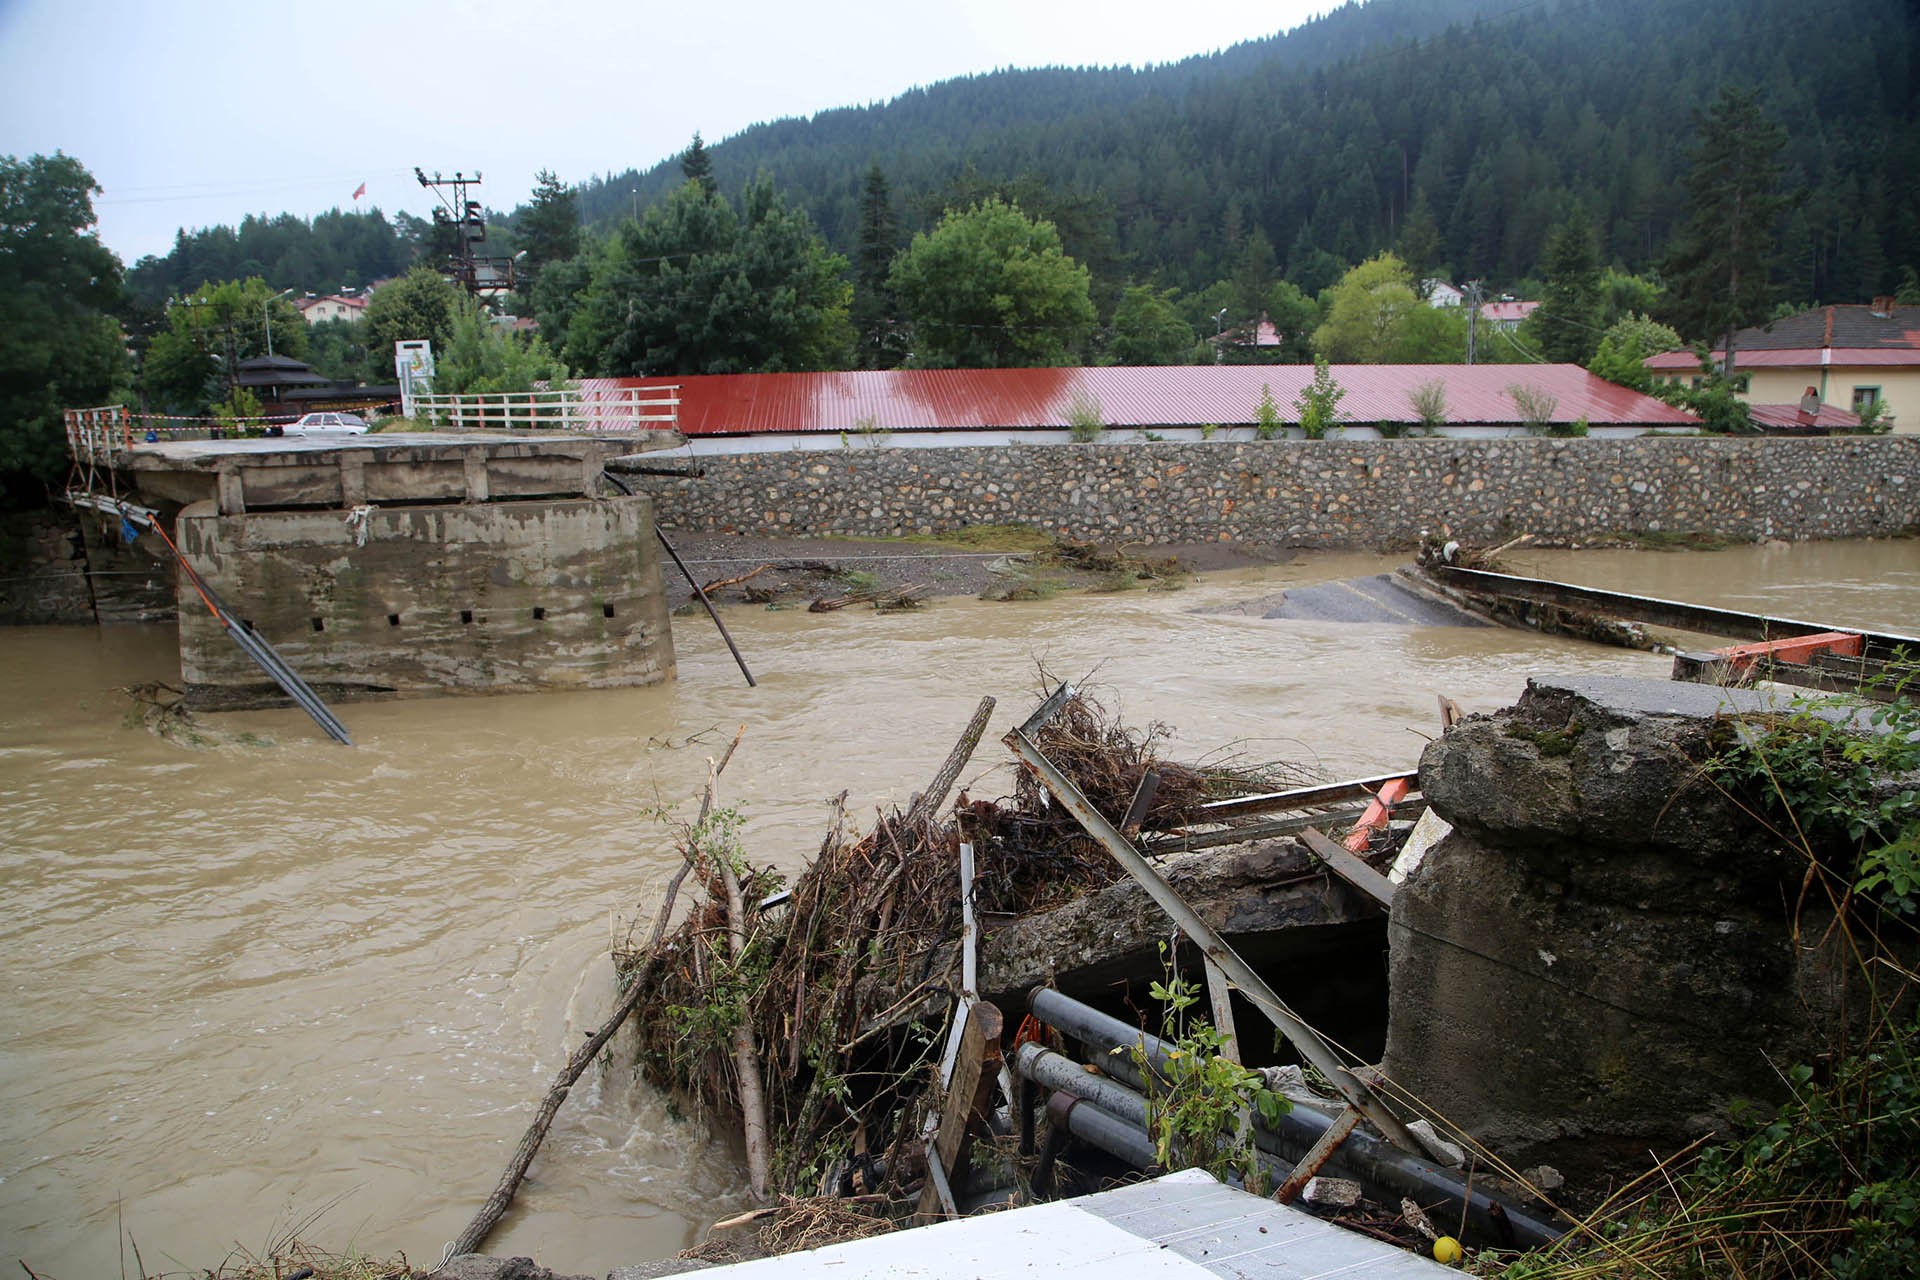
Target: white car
(346, 424)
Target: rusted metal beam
(1300, 797)
(1661, 613)
(1307, 1041)
(1180, 843)
(1344, 864)
(1317, 1155)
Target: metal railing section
(591, 409)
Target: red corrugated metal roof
(1788, 416)
(1793, 358)
(1126, 397)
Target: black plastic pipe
(1373, 1162)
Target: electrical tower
(467, 263)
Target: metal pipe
(1059, 1073)
(1108, 1132)
(687, 573)
(1363, 1156)
(1091, 1027)
(1308, 1042)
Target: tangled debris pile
(828, 1084)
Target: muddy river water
(275, 985)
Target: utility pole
(1473, 319)
(464, 215)
(266, 317)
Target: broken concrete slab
(1380, 599)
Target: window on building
(1865, 398)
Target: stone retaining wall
(1331, 493)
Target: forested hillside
(1493, 119)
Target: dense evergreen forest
(1497, 119)
(1459, 132)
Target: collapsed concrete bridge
(401, 563)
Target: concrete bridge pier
(414, 564)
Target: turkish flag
(359, 191)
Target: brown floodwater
(279, 984)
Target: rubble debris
(834, 979)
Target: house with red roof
(1507, 313)
(1848, 357)
(760, 412)
(331, 307)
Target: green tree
(879, 343)
(209, 331)
(1318, 404)
(1376, 317)
(991, 288)
(1717, 269)
(1419, 244)
(697, 165)
(59, 349)
(1566, 323)
(549, 227)
(1253, 279)
(1623, 294)
(695, 287)
(419, 305)
(482, 358)
(338, 349)
(1624, 348)
(1148, 328)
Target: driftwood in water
(477, 1231)
(746, 1056)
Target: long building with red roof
(743, 412)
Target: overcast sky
(197, 112)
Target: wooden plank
(1349, 868)
(1220, 996)
(1310, 1164)
(1312, 1046)
(969, 1096)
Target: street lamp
(266, 317)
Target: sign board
(413, 362)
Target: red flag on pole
(359, 191)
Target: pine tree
(697, 165)
(1419, 243)
(549, 227)
(880, 343)
(1717, 271)
(1568, 320)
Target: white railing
(592, 409)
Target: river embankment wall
(1333, 494)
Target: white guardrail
(571, 410)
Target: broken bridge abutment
(1606, 952)
(418, 563)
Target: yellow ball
(1446, 1249)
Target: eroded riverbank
(250, 983)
